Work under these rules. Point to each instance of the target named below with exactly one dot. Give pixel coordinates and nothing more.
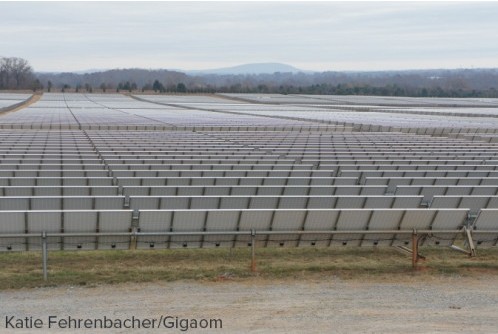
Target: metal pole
(133, 239)
(470, 241)
(44, 255)
(253, 251)
(414, 249)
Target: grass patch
(87, 268)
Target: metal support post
(470, 241)
(133, 239)
(44, 255)
(414, 249)
(253, 251)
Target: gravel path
(322, 305)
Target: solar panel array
(368, 113)
(109, 163)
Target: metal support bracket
(471, 251)
(470, 242)
(403, 249)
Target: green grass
(23, 270)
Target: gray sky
(72, 36)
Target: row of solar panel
(344, 171)
(56, 181)
(288, 140)
(229, 140)
(430, 191)
(20, 222)
(243, 190)
(354, 220)
(202, 190)
(346, 158)
(393, 182)
(37, 173)
(206, 202)
(175, 181)
(268, 157)
(312, 158)
(450, 165)
(362, 175)
(251, 159)
(292, 140)
(54, 166)
(30, 161)
(246, 164)
(109, 127)
(166, 173)
(397, 161)
(473, 203)
(225, 181)
(220, 165)
(408, 167)
(217, 166)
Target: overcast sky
(71, 36)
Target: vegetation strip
(23, 270)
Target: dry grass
(23, 270)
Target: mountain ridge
(250, 68)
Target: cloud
(75, 35)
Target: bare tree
(15, 73)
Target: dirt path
(33, 99)
(324, 305)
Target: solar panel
(14, 203)
(266, 202)
(80, 222)
(221, 221)
(44, 221)
(241, 202)
(447, 220)
(286, 220)
(154, 221)
(439, 202)
(486, 221)
(78, 203)
(46, 203)
(188, 221)
(382, 220)
(114, 221)
(351, 220)
(12, 222)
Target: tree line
(16, 73)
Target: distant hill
(285, 79)
(256, 68)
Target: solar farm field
(111, 171)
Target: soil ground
(318, 303)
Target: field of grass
(24, 270)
